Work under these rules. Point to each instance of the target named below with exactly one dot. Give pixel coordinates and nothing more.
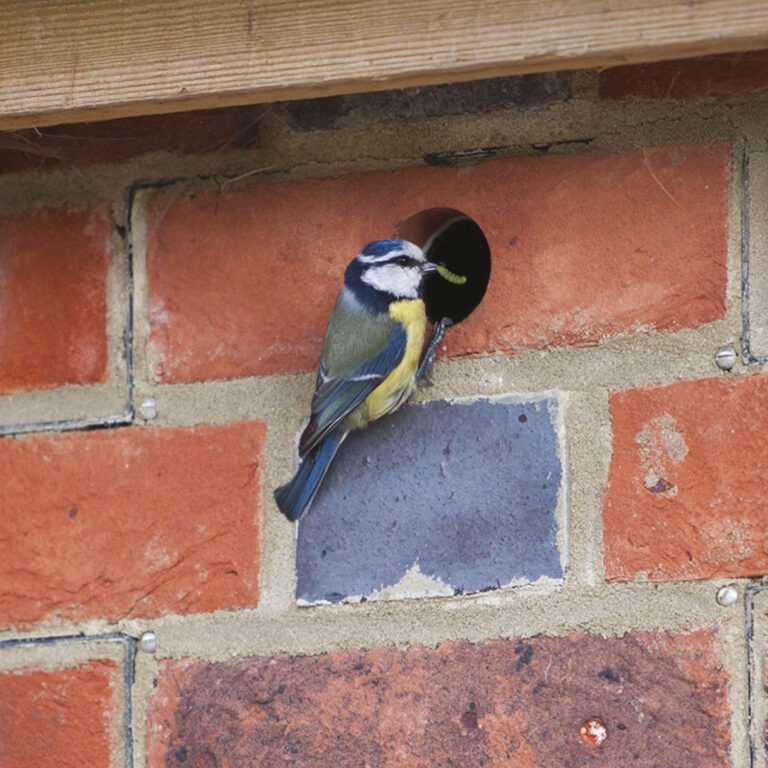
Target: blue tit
(370, 361)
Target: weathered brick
(585, 248)
(723, 75)
(685, 497)
(62, 718)
(130, 522)
(53, 321)
(662, 697)
(439, 498)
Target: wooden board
(71, 60)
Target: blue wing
(337, 396)
(294, 497)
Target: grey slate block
(439, 498)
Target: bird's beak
(427, 267)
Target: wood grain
(69, 60)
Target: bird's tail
(294, 497)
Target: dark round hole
(461, 246)
(451, 238)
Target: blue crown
(382, 247)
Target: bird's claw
(427, 361)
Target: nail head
(725, 357)
(148, 642)
(727, 595)
(148, 409)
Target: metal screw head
(727, 595)
(148, 409)
(148, 642)
(726, 357)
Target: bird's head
(392, 267)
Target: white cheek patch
(392, 278)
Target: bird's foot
(427, 361)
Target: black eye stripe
(401, 260)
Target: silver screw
(148, 409)
(148, 642)
(725, 357)
(727, 595)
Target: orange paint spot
(593, 731)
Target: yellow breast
(400, 384)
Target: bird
(371, 359)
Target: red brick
(685, 497)
(114, 141)
(662, 696)
(134, 522)
(724, 75)
(585, 248)
(53, 319)
(64, 718)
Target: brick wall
(553, 557)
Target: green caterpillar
(451, 277)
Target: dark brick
(465, 492)
(723, 75)
(477, 96)
(458, 704)
(113, 141)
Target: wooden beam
(69, 60)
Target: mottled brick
(439, 498)
(132, 522)
(685, 497)
(722, 75)
(585, 248)
(53, 318)
(61, 718)
(662, 696)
